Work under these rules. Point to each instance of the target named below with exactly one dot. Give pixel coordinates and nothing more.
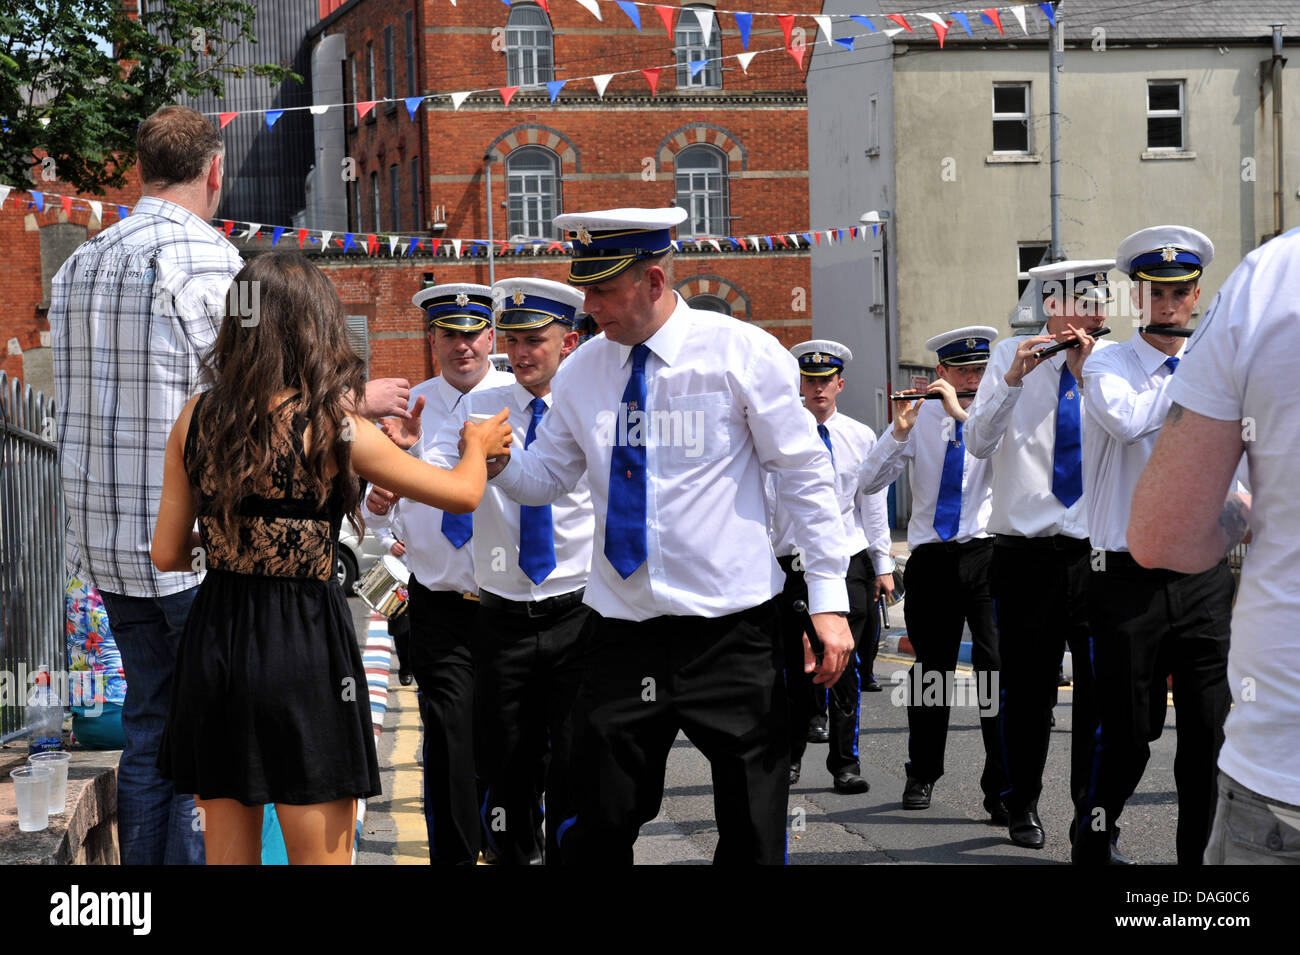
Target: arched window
(702, 191)
(710, 303)
(530, 57)
(533, 188)
(691, 48)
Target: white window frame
(689, 45)
(370, 71)
(715, 223)
(374, 195)
(527, 46)
(530, 207)
(1180, 114)
(1022, 117)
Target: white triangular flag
(824, 28)
(96, 208)
(455, 244)
(591, 7)
(744, 58)
(4, 193)
(253, 229)
(716, 246)
(601, 82)
(830, 236)
(793, 238)
(457, 99)
(537, 247)
(705, 17)
(933, 18)
(392, 243)
(892, 32)
(754, 239)
(1019, 14)
(318, 110)
(325, 240)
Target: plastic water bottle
(45, 711)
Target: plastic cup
(58, 762)
(480, 418)
(32, 794)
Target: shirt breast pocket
(697, 429)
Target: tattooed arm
(1182, 515)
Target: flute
(814, 641)
(1173, 331)
(930, 394)
(1051, 350)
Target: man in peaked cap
(531, 565)
(1148, 624)
(674, 414)
(871, 568)
(1031, 424)
(458, 318)
(948, 568)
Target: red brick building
(728, 144)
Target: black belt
(1055, 542)
(531, 608)
(1123, 560)
(975, 543)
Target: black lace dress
(269, 700)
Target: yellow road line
(407, 802)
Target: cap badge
(518, 297)
(462, 299)
(970, 343)
(1100, 278)
(584, 236)
(1168, 253)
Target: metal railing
(32, 574)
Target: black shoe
(405, 677)
(1053, 719)
(1026, 829)
(871, 686)
(847, 784)
(794, 773)
(916, 794)
(997, 810)
(1118, 858)
(818, 731)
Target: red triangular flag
(502, 243)
(797, 53)
(433, 245)
(817, 238)
(66, 202)
(507, 92)
(787, 24)
(992, 14)
(302, 237)
(940, 30)
(652, 77)
(666, 14)
(227, 227)
(781, 239)
(900, 20)
(226, 118)
(545, 6)
(371, 241)
(363, 108)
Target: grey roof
(1150, 20)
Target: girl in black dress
(269, 702)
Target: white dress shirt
(723, 401)
(1016, 428)
(865, 516)
(1126, 391)
(496, 521)
(1239, 366)
(925, 450)
(430, 557)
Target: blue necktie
(1172, 363)
(947, 509)
(536, 532)
(625, 544)
(1067, 460)
(826, 440)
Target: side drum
(383, 588)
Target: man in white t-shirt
(1234, 392)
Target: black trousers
(1040, 600)
(399, 628)
(720, 681)
(443, 625)
(799, 688)
(1146, 626)
(947, 584)
(527, 674)
(845, 697)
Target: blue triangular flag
(518, 249)
(875, 228)
(348, 242)
(123, 212)
(697, 65)
(412, 104)
(988, 19)
(769, 242)
(807, 237)
(632, 13)
(554, 87)
(275, 236)
(743, 23)
(272, 115)
(961, 18)
(840, 234)
(865, 21)
(38, 200)
(1048, 10)
(845, 41)
(506, 2)
(734, 243)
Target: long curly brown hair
(283, 329)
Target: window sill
(1168, 154)
(999, 158)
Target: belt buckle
(536, 608)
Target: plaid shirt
(132, 312)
